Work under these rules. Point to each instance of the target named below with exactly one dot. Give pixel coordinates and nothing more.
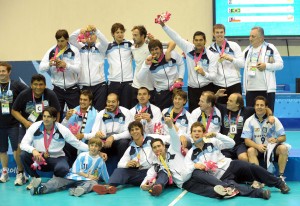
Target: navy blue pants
(122, 176)
(123, 90)
(59, 166)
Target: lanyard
(140, 109)
(9, 92)
(223, 47)
(46, 140)
(163, 162)
(35, 101)
(57, 54)
(172, 112)
(259, 53)
(196, 59)
(237, 118)
(207, 123)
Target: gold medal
(231, 135)
(46, 154)
(196, 68)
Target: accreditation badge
(33, 116)
(5, 107)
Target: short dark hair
(62, 33)
(117, 26)
(136, 124)
(156, 140)
(261, 98)
(95, 140)
(180, 93)
(7, 65)
(87, 93)
(52, 111)
(155, 43)
(38, 77)
(145, 88)
(198, 124)
(218, 26)
(210, 97)
(142, 30)
(199, 33)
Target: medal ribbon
(47, 141)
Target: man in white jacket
(262, 60)
(44, 141)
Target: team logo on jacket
(265, 129)
(170, 63)
(56, 136)
(209, 149)
(69, 54)
(120, 119)
(183, 121)
(126, 45)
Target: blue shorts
(13, 135)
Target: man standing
(201, 64)
(265, 140)
(162, 67)
(92, 53)
(120, 73)
(140, 52)
(230, 62)
(63, 61)
(9, 127)
(262, 60)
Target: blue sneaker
(37, 187)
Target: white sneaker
(4, 177)
(30, 185)
(20, 179)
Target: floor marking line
(178, 198)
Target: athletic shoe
(156, 190)
(284, 188)
(226, 192)
(257, 185)
(21, 179)
(77, 192)
(104, 189)
(4, 177)
(37, 187)
(266, 194)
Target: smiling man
(63, 61)
(201, 64)
(266, 141)
(9, 127)
(230, 62)
(80, 121)
(148, 114)
(133, 166)
(165, 68)
(262, 60)
(44, 140)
